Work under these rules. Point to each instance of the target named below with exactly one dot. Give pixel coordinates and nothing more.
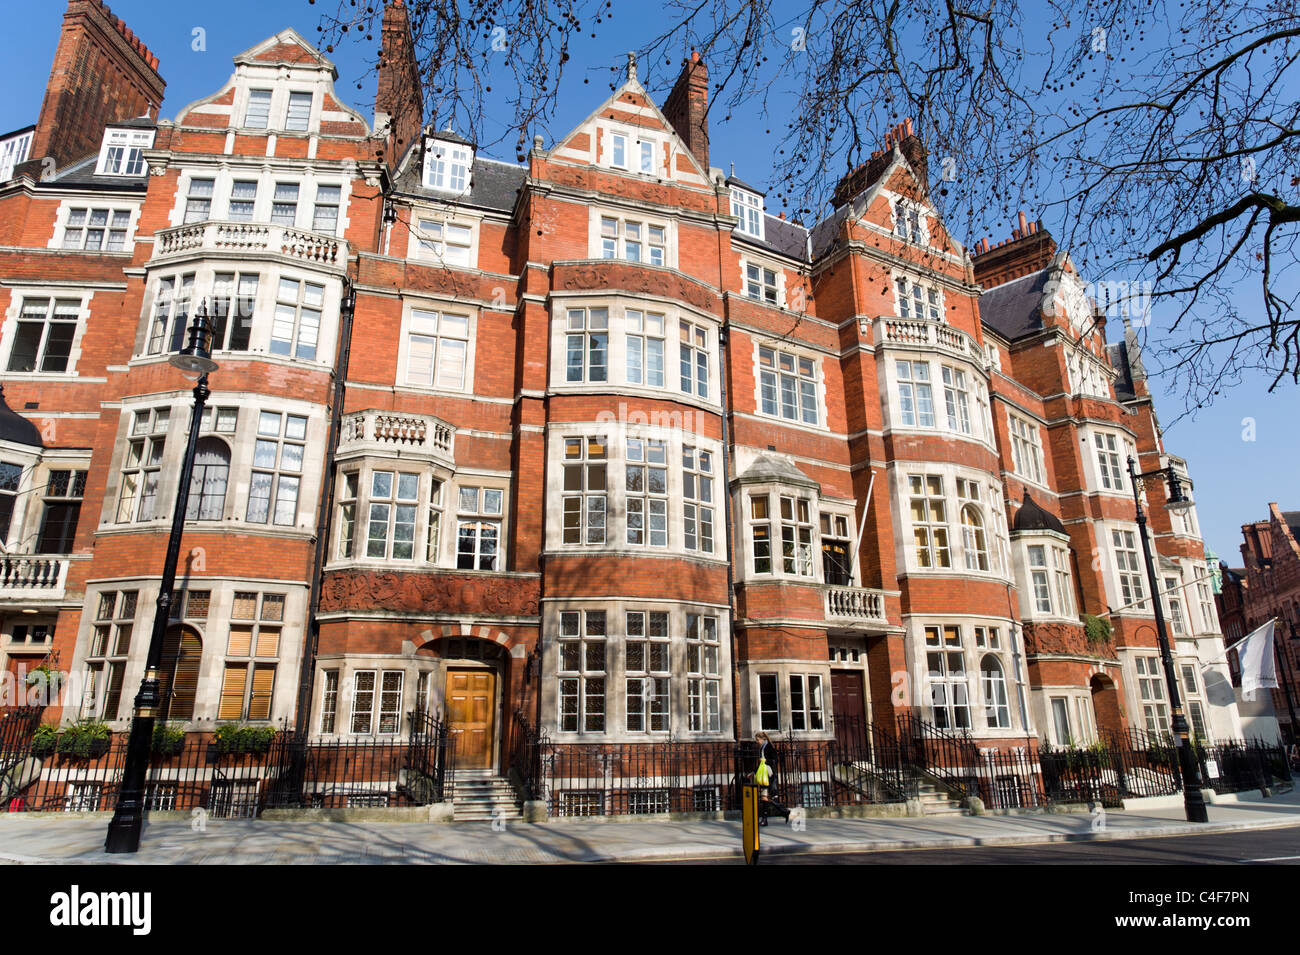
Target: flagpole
(1286, 684)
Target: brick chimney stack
(103, 73)
(907, 142)
(399, 101)
(687, 107)
(1030, 249)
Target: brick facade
(665, 465)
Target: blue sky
(1235, 478)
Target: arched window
(208, 484)
(974, 543)
(182, 650)
(994, 685)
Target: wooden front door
(848, 704)
(471, 708)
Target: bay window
(632, 240)
(916, 400)
(587, 344)
(394, 497)
(478, 528)
(946, 676)
(277, 468)
(296, 327)
(697, 499)
(581, 671)
(645, 348)
(929, 512)
(647, 672)
(646, 472)
(917, 301)
(585, 490)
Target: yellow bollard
(749, 818)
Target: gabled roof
(288, 47)
(631, 86)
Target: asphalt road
(1249, 847)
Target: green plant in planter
(45, 740)
(85, 740)
(1096, 629)
(168, 739)
(233, 738)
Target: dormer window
(748, 208)
(122, 152)
(447, 165)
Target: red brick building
(1267, 587)
(593, 439)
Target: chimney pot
(1024, 226)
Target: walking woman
(765, 776)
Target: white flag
(1255, 654)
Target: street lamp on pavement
(128, 818)
(1193, 800)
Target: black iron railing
(284, 771)
(949, 756)
(1230, 766)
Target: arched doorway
(473, 688)
(179, 683)
(1105, 705)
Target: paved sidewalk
(43, 840)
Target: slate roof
(735, 181)
(1292, 519)
(1031, 517)
(770, 469)
(494, 184)
(1118, 353)
(81, 175)
(1013, 309)
(15, 428)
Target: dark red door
(848, 701)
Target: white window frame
(483, 517)
(432, 238)
(430, 323)
(928, 306)
(748, 208)
(772, 376)
(54, 299)
(915, 394)
(1026, 449)
(121, 153)
(931, 537)
(448, 166)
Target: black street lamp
(1193, 800)
(128, 818)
